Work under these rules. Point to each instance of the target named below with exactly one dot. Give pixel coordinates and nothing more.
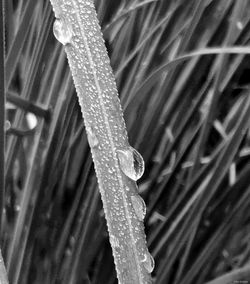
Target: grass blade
(98, 99)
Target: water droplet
(93, 141)
(17, 208)
(31, 120)
(131, 163)
(148, 262)
(239, 25)
(62, 31)
(7, 125)
(72, 241)
(139, 206)
(68, 252)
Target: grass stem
(77, 28)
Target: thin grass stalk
(144, 41)
(77, 28)
(16, 46)
(34, 187)
(3, 274)
(29, 84)
(222, 63)
(147, 83)
(2, 112)
(218, 237)
(79, 250)
(27, 105)
(216, 95)
(240, 275)
(123, 14)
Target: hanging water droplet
(148, 262)
(93, 141)
(62, 31)
(131, 163)
(139, 206)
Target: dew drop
(62, 31)
(17, 208)
(31, 120)
(68, 252)
(7, 125)
(131, 163)
(93, 141)
(139, 206)
(148, 262)
(239, 25)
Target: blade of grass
(204, 51)
(205, 132)
(18, 42)
(222, 62)
(143, 41)
(238, 275)
(94, 100)
(124, 14)
(2, 112)
(28, 106)
(3, 275)
(220, 169)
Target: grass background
(189, 119)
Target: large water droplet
(62, 31)
(148, 262)
(93, 141)
(131, 163)
(139, 206)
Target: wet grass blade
(92, 72)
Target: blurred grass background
(190, 120)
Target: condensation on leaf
(114, 241)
